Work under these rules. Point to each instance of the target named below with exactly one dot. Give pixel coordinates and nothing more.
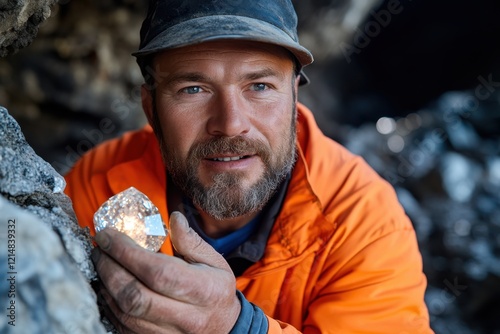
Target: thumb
(191, 246)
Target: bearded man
(273, 226)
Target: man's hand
(153, 293)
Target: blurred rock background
(412, 86)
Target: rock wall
(30, 182)
(45, 256)
(42, 290)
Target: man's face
(225, 116)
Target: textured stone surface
(54, 269)
(51, 295)
(30, 182)
(19, 21)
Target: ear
(147, 102)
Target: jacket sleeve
(251, 320)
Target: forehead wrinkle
(262, 73)
(254, 71)
(186, 77)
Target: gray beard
(224, 198)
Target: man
(286, 231)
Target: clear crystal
(132, 213)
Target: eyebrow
(200, 77)
(266, 72)
(186, 77)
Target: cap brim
(209, 28)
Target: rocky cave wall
(45, 256)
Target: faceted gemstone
(132, 213)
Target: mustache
(230, 145)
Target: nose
(229, 115)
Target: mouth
(230, 163)
(227, 159)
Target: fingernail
(95, 255)
(180, 219)
(102, 239)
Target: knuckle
(121, 253)
(198, 324)
(198, 242)
(132, 300)
(157, 278)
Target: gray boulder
(44, 253)
(30, 182)
(45, 291)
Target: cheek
(275, 123)
(179, 134)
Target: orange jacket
(342, 256)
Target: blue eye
(259, 87)
(192, 90)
